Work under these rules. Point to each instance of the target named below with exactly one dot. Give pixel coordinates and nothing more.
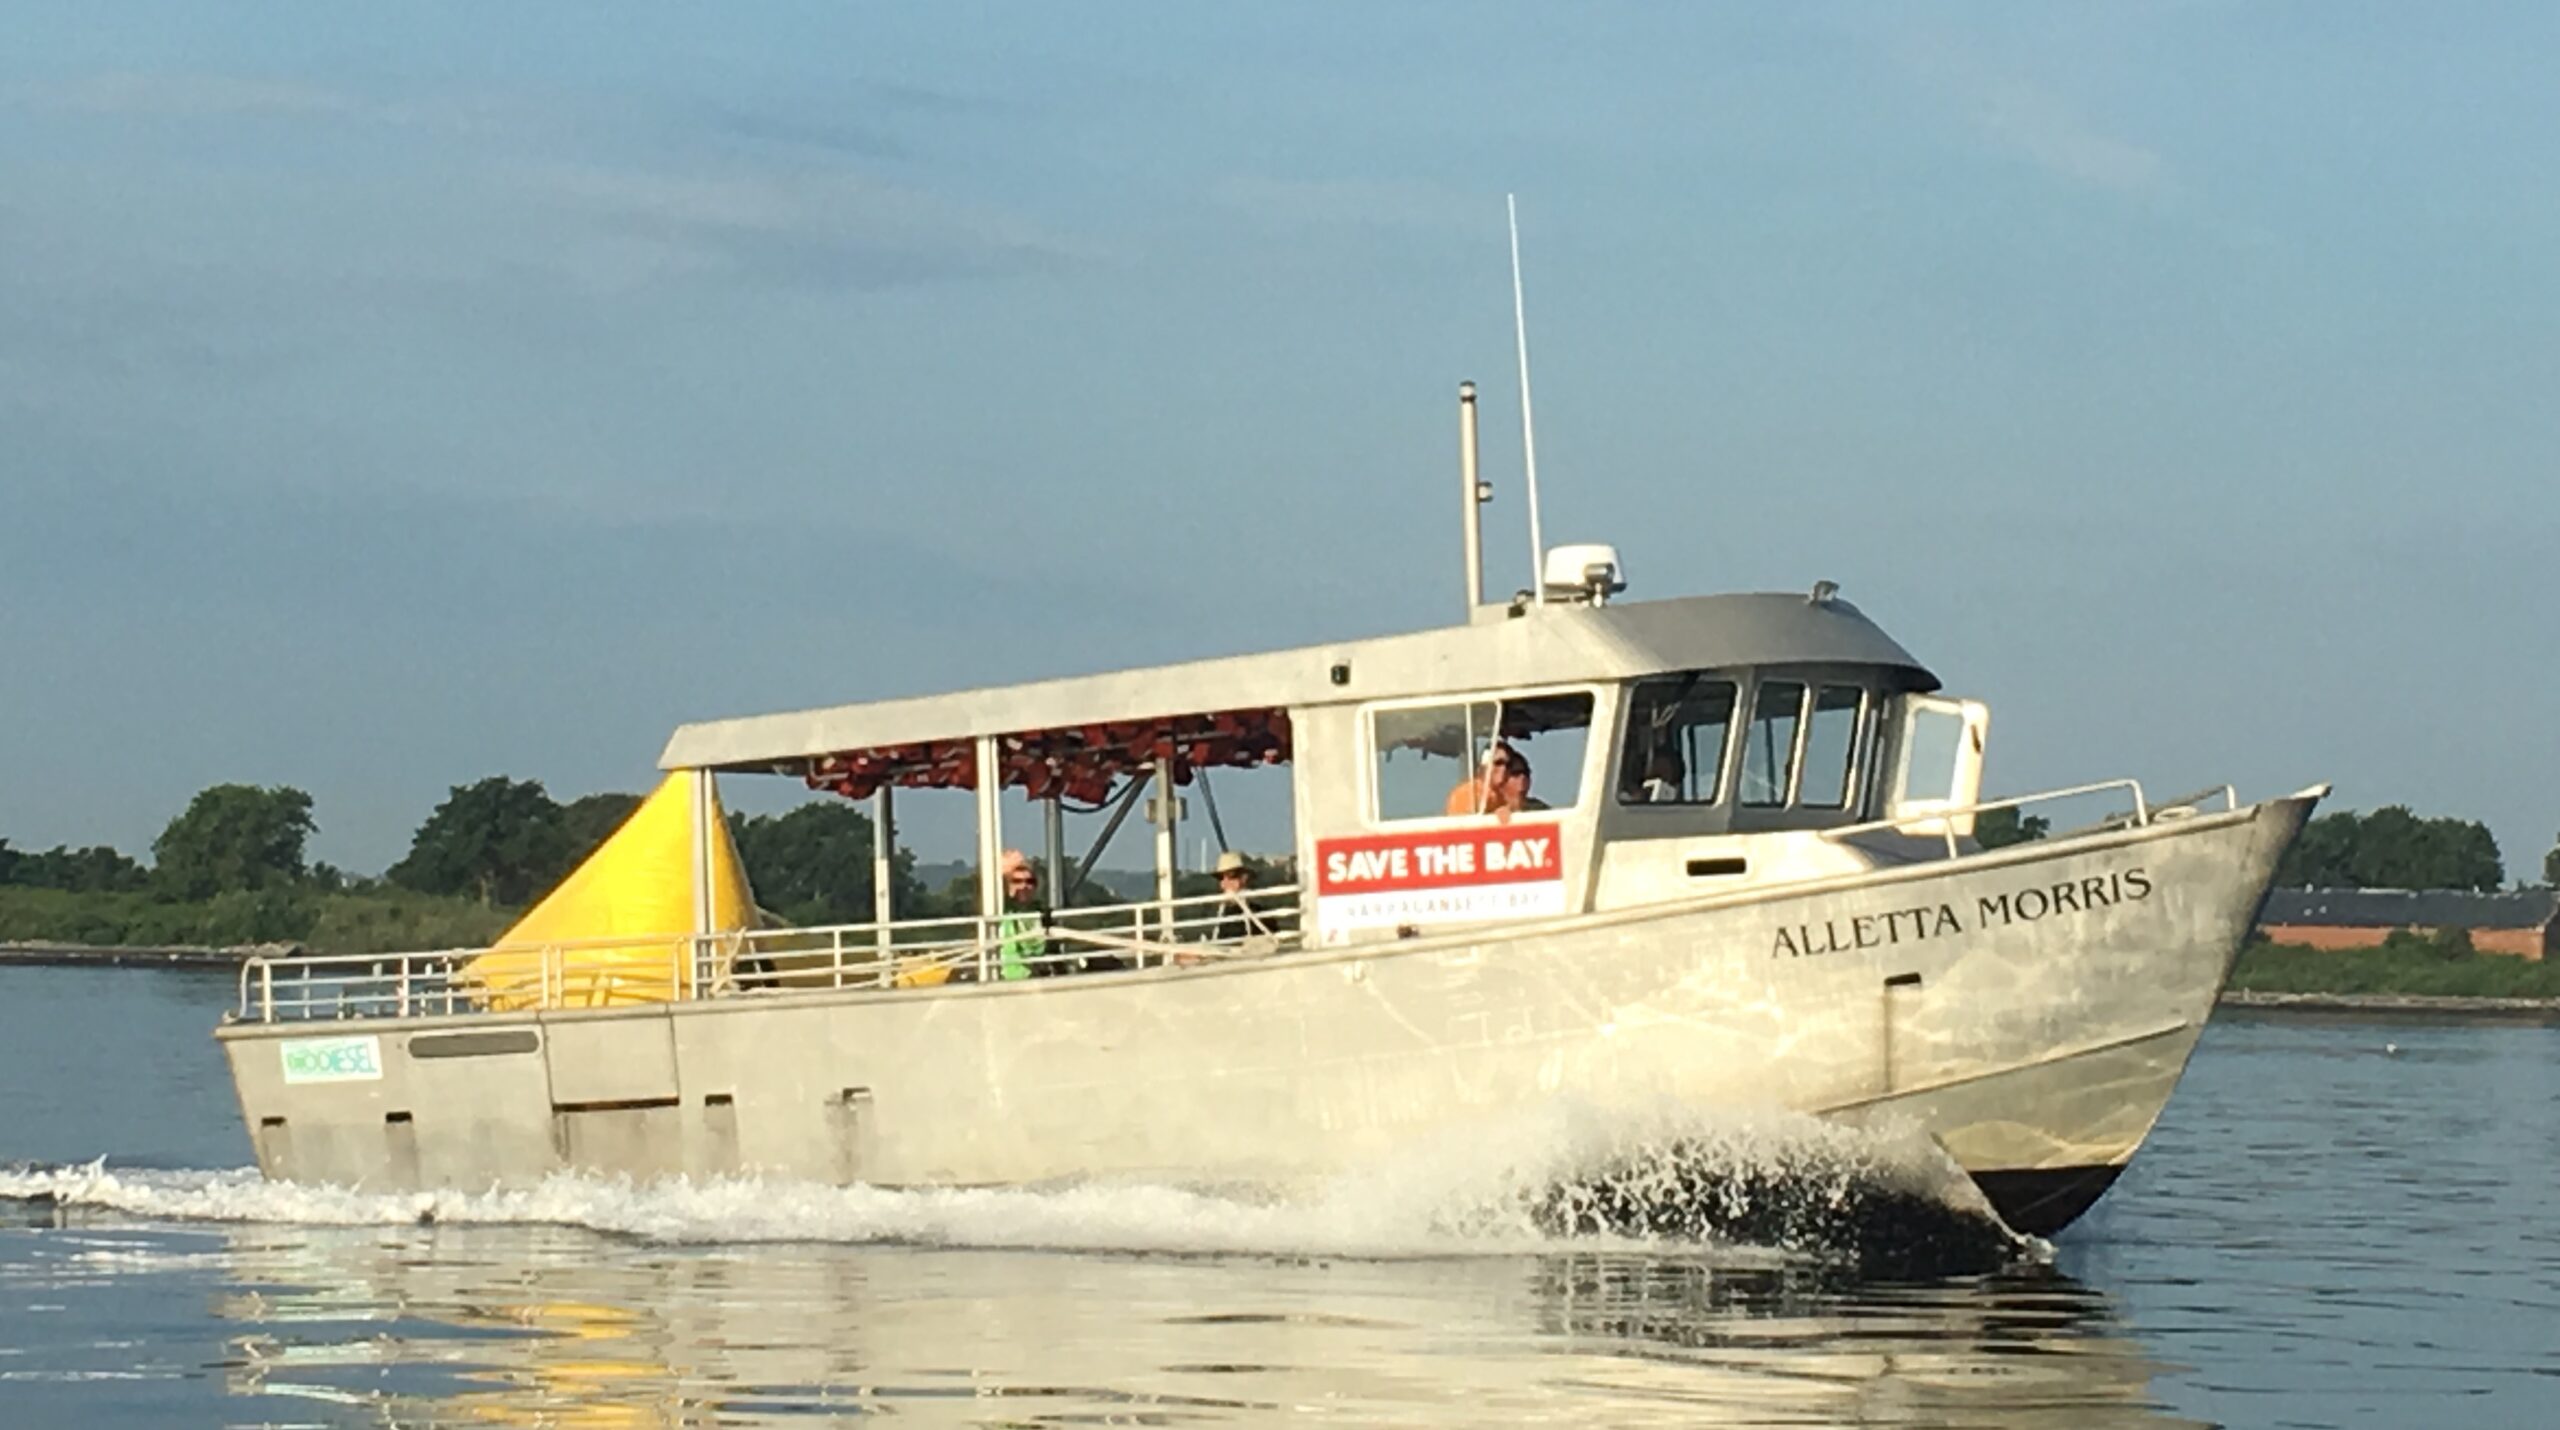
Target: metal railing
(1010, 946)
(661, 968)
(1942, 822)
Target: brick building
(2525, 924)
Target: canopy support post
(1168, 812)
(884, 849)
(1053, 822)
(702, 911)
(990, 838)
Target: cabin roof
(1549, 645)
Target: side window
(1769, 745)
(1830, 746)
(1929, 766)
(1426, 752)
(1481, 757)
(1674, 751)
(1545, 737)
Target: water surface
(2338, 1223)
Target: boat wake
(1875, 1204)
(1783, 1190)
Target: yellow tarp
(617, 929)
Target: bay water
(2340, 1221)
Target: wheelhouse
(1650, 750)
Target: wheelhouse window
(1477, 757)
(1676, 732)
(1830, 747)
(1929, 757)
(1769, 743)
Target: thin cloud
(1361, 203)
(739, 193)
(784, 132)
(827, 226)
(2041, 128)
(190, 96)
(2034, 123)
(146, 97)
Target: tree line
(2390, 848)
(233, 867)
(499, 843)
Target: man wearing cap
(1022, 938)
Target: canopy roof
(1545, 646)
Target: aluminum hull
(2030, 1008)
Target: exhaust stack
(1477, 494)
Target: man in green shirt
(1022, 940)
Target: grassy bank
(2407, 965)
(371, 921)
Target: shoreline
(2463, 1004)
(82, 955)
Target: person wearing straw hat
(1238, 919)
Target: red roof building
(2525, 924)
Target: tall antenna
(1528, 425)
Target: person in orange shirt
(1499, 788)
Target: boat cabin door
(1937, 763)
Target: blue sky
(391, 399)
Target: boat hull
(2030, 1008)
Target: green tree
(2451, 945)
(97, 869)
(500, 841)
(1998, 828)
(2398, 850)
(2323, 856)
(2551, 865)
(2392, 848)
(234, 838)
(957, 898)
(277, 915)
(590, 819)
(812, 864)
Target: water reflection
(2023, 1347)
(528, 1325)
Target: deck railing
(661, 968)
(1941, 824)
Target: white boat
(1754, 885)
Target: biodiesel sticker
(333, 1059)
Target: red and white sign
(1437, 876)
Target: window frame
(1851, 793)
(1871, 756)
(1786, 799)
(1728, 781)
(1370, 792)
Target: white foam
(1475, 1193)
